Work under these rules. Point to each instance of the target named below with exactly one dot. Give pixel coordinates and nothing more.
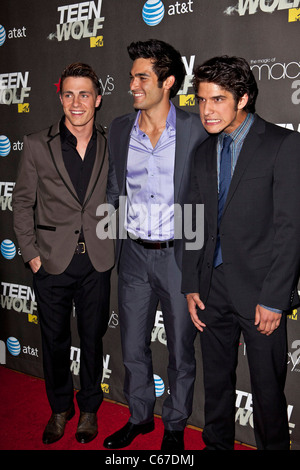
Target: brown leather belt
(148, 245)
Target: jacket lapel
(183, 130)
(248, 151)
(211, 204)
(98, 165)
(54, 145)
(121, 163)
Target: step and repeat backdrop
(37, 40)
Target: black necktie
(224, 182)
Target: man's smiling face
(79, 100)
(144, 86)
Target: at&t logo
(8, 249)
(2, 35)
(14, 33)
(159, 385)
(15, 349)
(154, 10)
(13, 346)
(4, 146)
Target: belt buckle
(156, 245)
(83, 247)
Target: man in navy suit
(244, 278)
(151, 151)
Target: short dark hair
(231, 73)
(78, 69)
(166, 61)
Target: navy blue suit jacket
(260, 226)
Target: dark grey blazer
(189, 134)
(46, 211)
(260, 227)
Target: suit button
(76, 231)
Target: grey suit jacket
(46, 211)
(260, 226)
(189, 135)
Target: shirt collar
(171, 118)
(67, 136)
(240, 132)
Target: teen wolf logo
(80, 20)
(14, 88)
(266, 6)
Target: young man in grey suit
(244, 279)
(151, 151)
(62, 179)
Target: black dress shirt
(79, 169)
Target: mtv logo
(33, 318)
(96, 41)
(293, 315)
(186, 100)
(23, 108)
(105, 388)
(294, 14)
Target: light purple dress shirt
(150, 182)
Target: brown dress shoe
(56, 425)
(87, 428)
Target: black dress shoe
(125, 435)
(172, 441)
(56, 425)
(87, 428)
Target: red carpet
(24, 412)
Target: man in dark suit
(151, 152)
(61, 181)
(244, 278)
